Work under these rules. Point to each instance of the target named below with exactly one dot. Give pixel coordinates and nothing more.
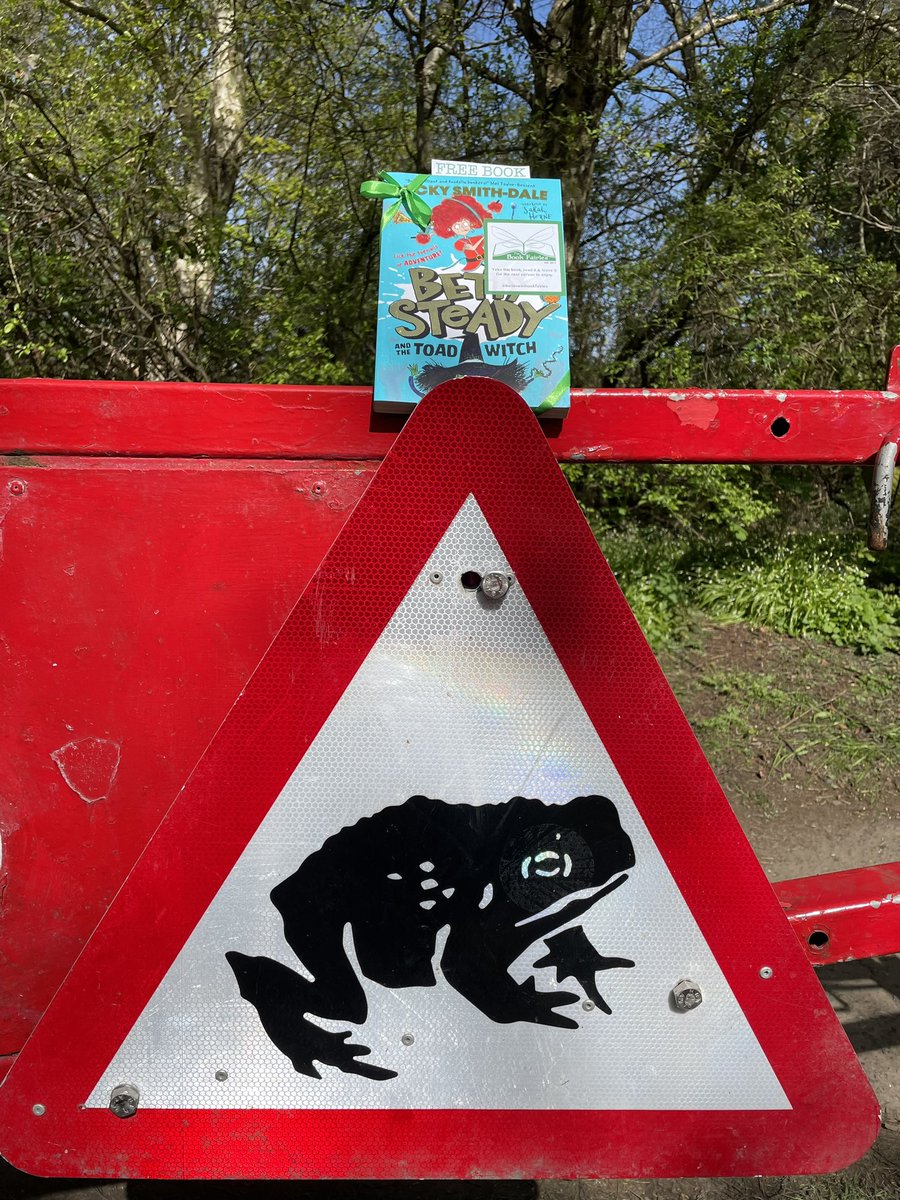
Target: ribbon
(385, 187)
(555, 396)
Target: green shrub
(805, 586)
(649, 566)
(777, 547)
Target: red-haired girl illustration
(463, 217)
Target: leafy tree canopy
(179, 183)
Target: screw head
(494, 585)
(587, 1005)
(686, 995)
(17, 487)
(221, 1076)
(766, 972)
(123, 1100)
(436, 577)
(38, 1110)
(407, 1039)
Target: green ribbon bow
(386, 186)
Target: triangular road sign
(453, 892)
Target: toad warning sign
(452, 893)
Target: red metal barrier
(142, 420)
(154, 536)
(847, 914)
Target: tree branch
(87, 10)
(705, 28)
(861, 12)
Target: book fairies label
(472, 282)
(523, 256)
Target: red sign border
(469, 436)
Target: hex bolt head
(686, 995)
(494, 585)
(124, 1100)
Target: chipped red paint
(693, 409)
(847, 914)
(89, 766)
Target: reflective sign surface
(421, 921)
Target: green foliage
(652, 572)
(748, 290)
(805, 586)
(769, 546)
(681, 497)
(658, 524)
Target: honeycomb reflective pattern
(466, 701)
(467, 437)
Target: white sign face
(448, 166)
(460, 743)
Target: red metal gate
(153, 538)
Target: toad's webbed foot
(575, 957)
(281, 997)
(539, 1007)
(334, 1050)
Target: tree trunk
(216, 154)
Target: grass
(836, 733)
(814, 714)
(805, 587)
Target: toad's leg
(315, 933)
(281, 997)
(484, 980)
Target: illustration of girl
(463, 217)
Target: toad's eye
(541, 864)
(547, 864)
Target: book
(472, 281)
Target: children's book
(472, 282)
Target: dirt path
(806, 742)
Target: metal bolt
(436, 577)
(221, 1076)
(123, 1100)
(407, 1039)
(687, 995)
(38, 1110)
(17, 487)
(766, 972)
(495, 585)
(587, 1005)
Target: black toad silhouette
(496, 874)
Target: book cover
(472, 282)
